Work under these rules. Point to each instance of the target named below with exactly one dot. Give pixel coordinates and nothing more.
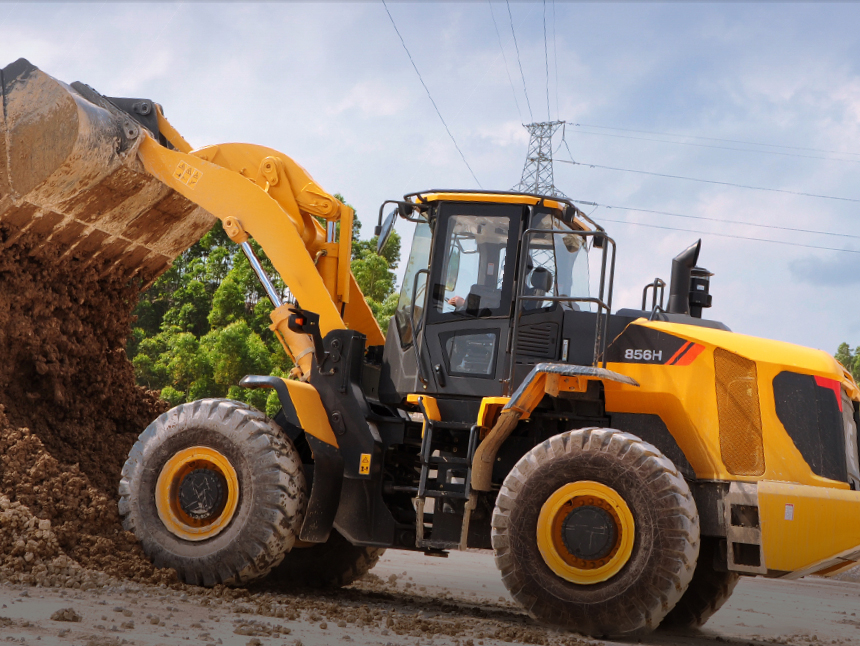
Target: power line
(727, 235)
(519, 62)
(555, 59)
(722, 235)
(546, 62)
(430, 96)
(510, 80)
(722, 221)
(707, 181)
(690, 143)
(731, 141)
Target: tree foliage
(204, 324)
(849, 359)
(375, 275)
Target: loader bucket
(71, 181)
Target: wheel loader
(626, 467)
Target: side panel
(804, 527)
(812, 415)
(676, 368)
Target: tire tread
(678, 525)
(279, 491)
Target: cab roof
(506, 197)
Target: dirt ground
(408, 599)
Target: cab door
(467, 322)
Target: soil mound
(69, 413)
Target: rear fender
(303, 408)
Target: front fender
(303, 408)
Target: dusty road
(444, 602)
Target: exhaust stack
(682, 266)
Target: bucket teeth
(70, 178)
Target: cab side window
(408, 313)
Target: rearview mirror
(385, 232)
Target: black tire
(707, 592)
(332, 564)
(666, 536)
(271, 495)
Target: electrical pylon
(537, 172)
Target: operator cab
(487, 272)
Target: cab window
(473, 278)
(556, 265)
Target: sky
(759, 95)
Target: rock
(66, 614)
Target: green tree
(851, 360)
(204, 323)
(374, 273)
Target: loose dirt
(409, 599)
(69, 413)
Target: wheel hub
(201, 493)
(585, 532)
(197, 493)
(589, 532)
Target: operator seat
(540, 284)
(483, 297)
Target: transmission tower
(537, 172)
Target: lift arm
(261, 193)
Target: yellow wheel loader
(626, 467)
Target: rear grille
(538, 340)
(739, 414)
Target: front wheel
(214, 490)
(595, 531)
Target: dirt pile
(69, 413)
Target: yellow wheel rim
(197, 493)
(613, 532)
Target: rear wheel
(214, 490)
(332, 564)
(708, 591)
(596, 531)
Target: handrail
(658, 283)
(604, 303)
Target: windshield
(557, 265)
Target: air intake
(739, 414)
(538, 340)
